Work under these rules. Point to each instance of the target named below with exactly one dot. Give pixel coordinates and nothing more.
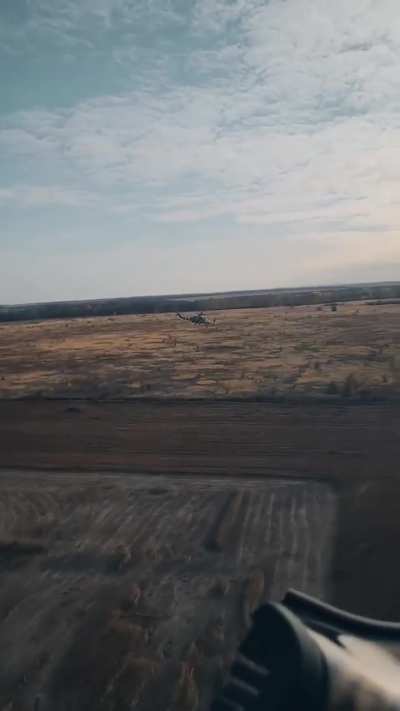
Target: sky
(167, 146)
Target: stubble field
(159, 480)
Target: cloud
(305, 117)
(341, 253)
(277, 118)
(133, 147)
(46, 196)
(211, 264)
(75, 24)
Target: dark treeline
(201, 302)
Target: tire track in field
(245, 554)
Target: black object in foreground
(304, 655)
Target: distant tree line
(202, 302)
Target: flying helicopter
(199, 319)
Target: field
(160, 480)
(108, 597)
(259, 352)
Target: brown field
(263, 352)
(112, 598)
(136, 537)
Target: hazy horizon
(156, 147)
(183, 295)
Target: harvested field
(111, 599)
(137, 536)
(251, 352)
(352, 447)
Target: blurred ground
(125, 588)
(136, 536)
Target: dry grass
(248, 352)
(83, 634)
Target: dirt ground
(131, 576)
(338, 440)
(263, 352)
(107, 600)
(137, 536)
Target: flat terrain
(108, 600)
(130, 581)
(354, 442)
(155, 488)
(262, 352)
(353, 448)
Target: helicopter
(199, 319)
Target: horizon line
(191, 295)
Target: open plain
(247, 353)
(159, 480)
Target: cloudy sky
(155, 146)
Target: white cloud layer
(281, 117)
